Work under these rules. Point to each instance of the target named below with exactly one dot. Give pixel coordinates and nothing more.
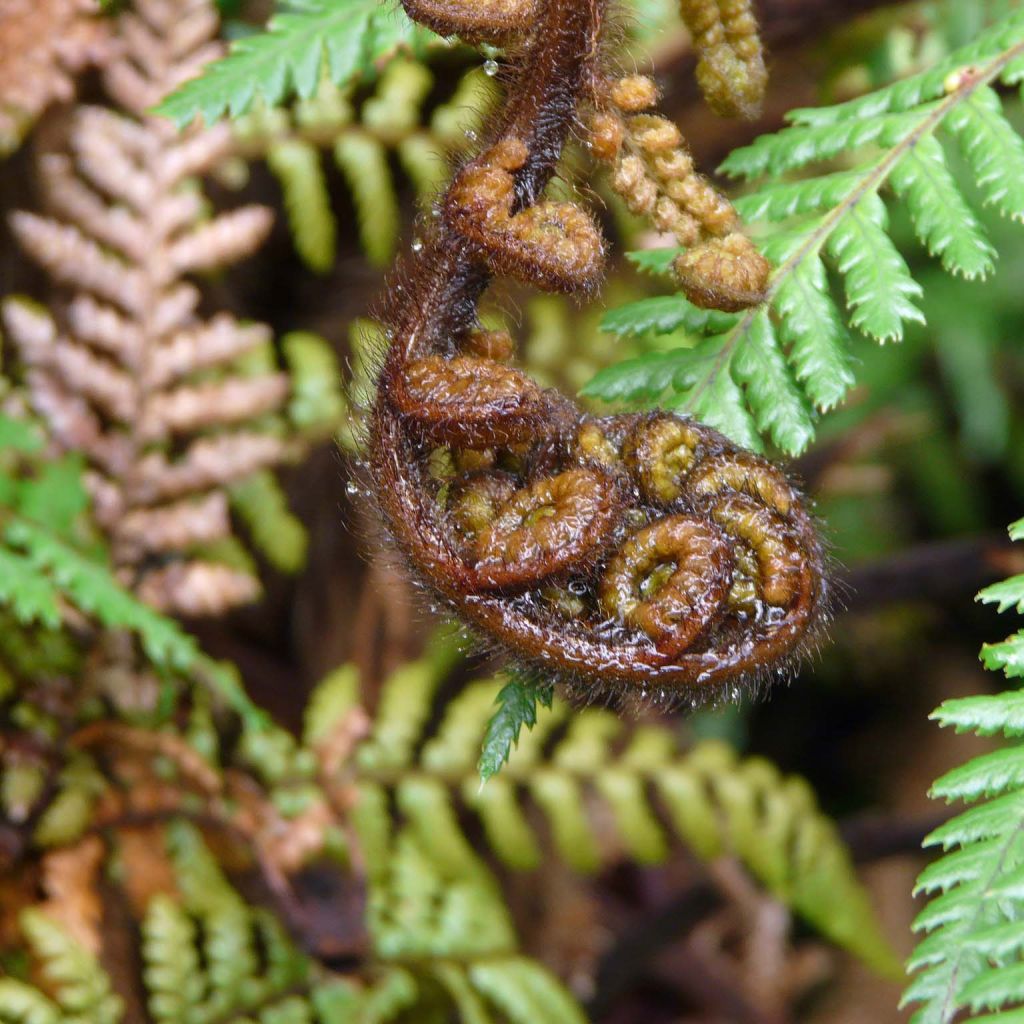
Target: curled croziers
(641, 552)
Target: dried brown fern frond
(43, 43)
(70, 879)
(169, 408)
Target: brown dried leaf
(175, 527)
(122, 370)
(209, 462)
(70, 880)
(42, 44)
(197, 589)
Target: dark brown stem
(872, 837)
(940, 571)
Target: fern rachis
(970, 957)
(766, 371)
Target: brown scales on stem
(638, 551)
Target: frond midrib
(877, 174)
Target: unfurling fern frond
(769, 371)
(649, 794)
(340, 40)
(972, 959)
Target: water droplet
(471, 135)
(352, 488)
(490, 68)
(417, 246)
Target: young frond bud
(469, 402)
(555, 246)
(498, 22)
(730, 68)
(607, 132)
(634, 94)
(699, 198)
(724, 273)
(655, 134)
(668, 217)
(668, 581)
(557, 524)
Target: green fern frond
(45, 570)
(430, 905)
(394, 109)
(421, 907)
(69, 813)
(317, 405)
(212, 957)
(650, 795)
(1007, 656)
(769, 372)
(38, 571)
(972, 958)
(335, 697)
(273, 528)
(389, 122)
(316, 37)
(404, 708)
(81, 987)
(363, 159)
(23, 1004)
(442, 940)
(296, 165)
(517, 703)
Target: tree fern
(771, 370)
(970, 961)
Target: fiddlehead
(730, 68)
(638, 551)
(654, 172)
